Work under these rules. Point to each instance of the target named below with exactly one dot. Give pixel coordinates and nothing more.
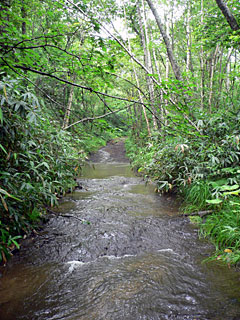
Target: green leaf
(8, 194)
(218, 183)
(13, 240)
(229, 188)
(236, 193)
(43, 164)
(214, 201)
(31, 117)
(3, 149)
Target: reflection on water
(136, 260)
(64, 206)
(106, 170)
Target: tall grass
(223, 228)
(195, 196)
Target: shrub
(38, 161)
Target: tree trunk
(228, 69)
(172, 25)
(147, 56)
(202, 65)
(160, 80)
(212, 68)
(230, 51)
(234, 78)
(228, 15)
(138, 84)
(188, 37)
(167, 58)
(173, 62)
(69, 107)
(23, 14)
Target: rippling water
(130, 258)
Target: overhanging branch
(139, 63)
(43, 92)
(95, 118)
(73, 84)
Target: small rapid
(116, 250)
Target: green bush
(203, 169)
(223, 228)
(38, 161)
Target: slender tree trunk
(228, 15)
(141, 100)
(188, 37)
(202, 65)
(69, 107)
(147, 56)
(24, 15)
(173, 62)
(172, 26)
(131, 113)
(220, 65)
(228, 69)
(212, 69)
(138, 84)
(167, 58)
(160, 80)
(219, 95)
(234, 78)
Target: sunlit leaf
(214, 201)
(229, 188)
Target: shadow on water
(137, 259)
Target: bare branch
(94, 118)
(130, 82)
(46, 95)
(72, 83)
(33, 39)
(43, 46)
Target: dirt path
(114, 151)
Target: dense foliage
(195, 151)
(38, 162)
(204, 170)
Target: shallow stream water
(117, 251)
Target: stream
(115, 249)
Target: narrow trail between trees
(121, 252)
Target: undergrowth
(38, 161)
(204, 171)
(223, 228)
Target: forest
(163, 74)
